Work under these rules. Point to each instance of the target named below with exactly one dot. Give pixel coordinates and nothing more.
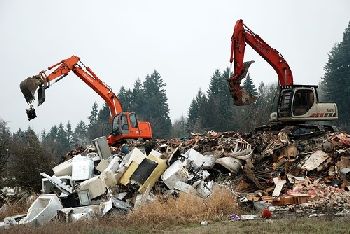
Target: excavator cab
(300, 103)
(124, 122)
(125, 125)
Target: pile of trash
(265, 170)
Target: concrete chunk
(102, 147)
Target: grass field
(307, 225)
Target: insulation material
(184, 187)
(49, 183)
(204, 189)
(198, 160)
(79, 213)
(110, 175)
(176, 172)
(143, 170)
(156, 173)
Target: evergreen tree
(5, 144)
(93, 114)
(156, 108)
(197, 113)
(219, 103)
(63, 145)
(179, 128)
(265, 104)
(93, 129)
(249, 86)
(103, 118)
(80, 134)
(28, 161)
(125, 98)
(69, 134)
(138, 100)
(336, 81)
(50, 142)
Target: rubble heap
(265, 169)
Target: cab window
(303, 100)
(116, 125)
(124, 122)
(133, 120)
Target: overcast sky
(185, 41)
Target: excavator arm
(242, 35)
(124, 124)
(62, 69)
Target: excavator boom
(242, 35)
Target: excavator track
(297, 130)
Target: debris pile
(266, 170)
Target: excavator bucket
(246, 98)
(241, 97)
(29, 86)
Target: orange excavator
(125, 125)
(296, 103)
